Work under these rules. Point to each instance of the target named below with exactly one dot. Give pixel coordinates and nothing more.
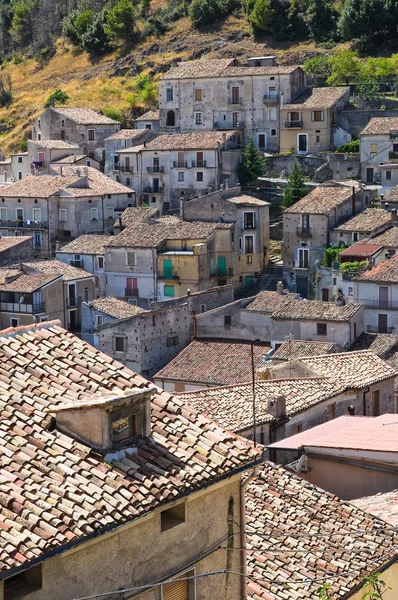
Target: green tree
(368, 88)
(377, 587)
(261, 17)
(322, 20)
(95, 41)
(204, 12)
(297, 24)
(57, 97)
(345, 65)
(22, 22)
(252, 165)
(296, 188)
(120, 21)
(317, 65)
(145, 6)
(323, 592)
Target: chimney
(351, 410)
(276, 407)
(182, 207)
(107, 423)
(281, 101)
(188, 292)
(227, 184)
(120, 223)
(353, 200)
(279, 288)
(57, 245)
(394, 216)
(60, 171)
(144, 143)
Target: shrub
(23, 145)
(349, 147)
(331, 255)
(353, 266)
(204, 12)
(112, 113)
(5, 90)
(57, 97)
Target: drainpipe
(48, 229)
(103, 216)
(364, 400)
(243, 567)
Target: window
(317, 139)
(376, 403)
(303, 255)
(373, 148)
(169, 95)
(14, 322)
(37, 239)
(388, 175)
(91, 135)
(235, 119)
(88, 163)
(272, 114)
(249, 259)
(100, 320)
(128, 180)
(131, 259)
(4, 233)
(355, 236)
(38, 137)
(203, 308)
(23, 584)
(261, 141)
(20, 159)
(321, 329)
(120, 344)
(317, 115)
(109, 212)
(179, 387)
(227, 320)
(331, 411)
(62, 122)
(125, 428)
(198, 118)
(94, 214)
(199, 176)
(20, 175)
(180, 175)
(148, 126)
(171, 517)
(172, 340)
(100, 262)
(297, 429)
(170, 119)
(249, 244)
(169, 290)
(37, 214)
(273, 132)
(198, 95)
(3, 214)
(272, 93)
(249, 219)
(63, 214)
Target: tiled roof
(322, 200)
(134, 215)
(324, 97)
(145, 235)
(8, 241)
(214, 362)
(198, 68)
(392, 196)
(249, 200)
(366, 221)
(150, 115)
(23, 282)
(382, 506)
(72, 159)
(384, 272)
(232, 405)
(382, 344)
(56, 267)
(55, 144)
(314, 310)
(387, 238)
(378, 434)
(204, 140)
(380, 126)
(85, 116)
(356, 369)
(291, 546)
(44, 186)
(131, 134)
(361, 249)
(57, 492)
(86, 244)
(119, 309)
(292, 349)
(269, 301)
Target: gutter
(243, 566)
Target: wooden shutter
(178, 590)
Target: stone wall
(355, 119)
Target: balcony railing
(198, 164)
(155, 169)
(393, 155)
(123, 168)
(249, 225)
(380, 304)
(180, 164)
(304, 231)
(75, 301)
(350, 275)
(227, 272)
(372, 329)
(168, 276)
(229, 125)
(151, 190)
(235, 100)
(131, 292)
(25, 224)
(293, 124)
(17, 307)
(80, 263)
(271, 99)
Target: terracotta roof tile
(206, 140)
(382, 506)
(382, 344)
(136, 135)
(392, 196)
(56, 144)
(134, 215)
(387, 238)
(324, 97)
(384, 272)
(198, 68)
(8, 241)
(85, 116)
(55, 267)
(86, 244)
(40, 368)
(116, 308)
(380, 126)
(245, 199)
(292, 349)
(321, 200)
(18, 281)
(291, 549)
(361, 249)
(366, 221)
(150, 115)
(214, 362)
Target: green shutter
(222, 265)
(168, 269)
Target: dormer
(107, 423)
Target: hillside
(106, 82)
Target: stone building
(379, 152)
(82, 126)
(124, 483)
(44, 152)
(15, 249)
(87, 252)
(118, 142)
(149, 120)
(225, 95)
(308, 124)
(367, 224)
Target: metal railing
(304, 231)
(372, 329)
(393, 155)
(350, 275)
(380, 304)
(228, 272)
(198, 164)
(163, 275)
(235, 100)
(271, 99)
(155, 169)
(25, 224)
(74, 301)
(294, 124)
(180, 164)
(229, 125)
(80, 263)
(150, 190)
(131, 292)
(123, 168)
(249, 225)
(17, 307)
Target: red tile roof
(385, 272)
(292, 349)
(322, 200)
(56, 492)
(361, 249)
(366, 221)
(382, 506)
(213, 363)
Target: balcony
(74, 301)
(155, 169)
(131, 292)
(294, 124)
(226, 125)
(153, 190)
(79, 264)
(25, 224)
(235, 100)
(380, 304)
(180, 164)
(198, 164)
(228, 272)
(123, 168)
(304, 231)
(372, 329)
(18, 307)
(249, 225)
(350, 275)
(168, 276)
(271, 100)
(393, 155)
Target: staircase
(272, 274)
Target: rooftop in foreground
(383, 506)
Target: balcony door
(382, 323)
(383, 297)
(131, 287)
(222, 265)
(72, 294)
(235, 95)
(302, 143)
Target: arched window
(171, 120)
